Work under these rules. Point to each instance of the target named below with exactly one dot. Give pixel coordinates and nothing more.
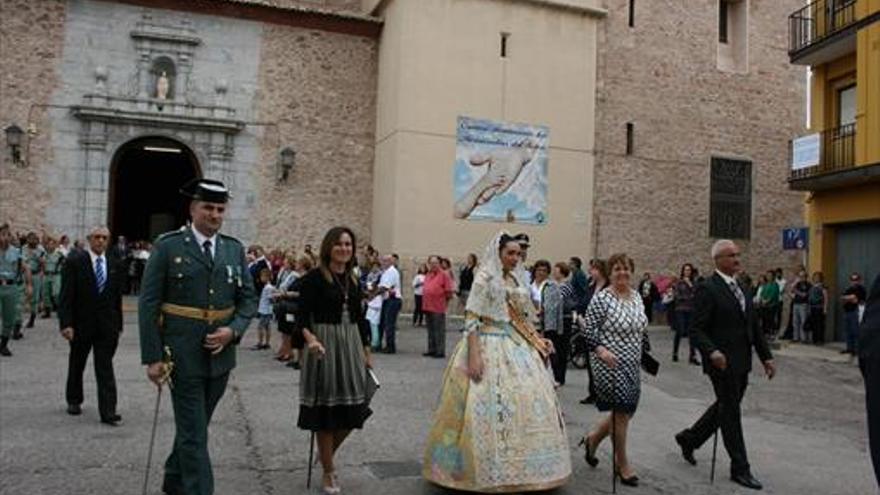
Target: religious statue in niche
(162, 86)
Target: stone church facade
(329, 112)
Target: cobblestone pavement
(805, 430)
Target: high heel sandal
(631, 481)
(333, 489)
(589, 457)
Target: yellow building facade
(839, 40)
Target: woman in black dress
(333, 383)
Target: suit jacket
(720, 324)
(81, 306)
(869, 332)
(178, 272)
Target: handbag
(372, 385)
(649, 364)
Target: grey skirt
(333, 388)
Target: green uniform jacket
(178, 272)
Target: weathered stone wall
(661, 75)
(31, 41)
(317, 96)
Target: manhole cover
(388, 470)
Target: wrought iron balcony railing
(837, 153)
(818, 21)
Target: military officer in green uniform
(34, 256)
(197, 298)
(15, 280)
(52, 277)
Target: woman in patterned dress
(498, 427)
(615, 331)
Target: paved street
(805, 431)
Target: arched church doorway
(145, 179)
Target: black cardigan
(320, 301)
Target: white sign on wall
(805, 152)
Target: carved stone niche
(166, 49)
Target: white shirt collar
(727, 278)
(94, 256)
(201, 238)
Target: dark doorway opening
(145, 179)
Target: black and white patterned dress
(618, 324)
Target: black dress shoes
(74, 409)
(746, 480)
(114, 420)
(428, 354)
(686, 451)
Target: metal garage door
(858, 250)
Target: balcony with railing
(837, 162)
(822, 31)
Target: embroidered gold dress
(504, 433)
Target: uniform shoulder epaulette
(169, 235)
(229, 238)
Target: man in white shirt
(389, 287)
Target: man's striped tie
(100, 276)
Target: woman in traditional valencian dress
(498, 427)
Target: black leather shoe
(746, 480)
(686, 451)
(17, 335)
(115, 420)
(429, 354)
(591, 399)
(74, 409)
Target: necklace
(343, 288)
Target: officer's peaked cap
(212, 191)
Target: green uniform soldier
(197, 298)
(52, 277)
(15, 280)
(34, 256)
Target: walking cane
(714, 450)
(312, 435)
(167, 368)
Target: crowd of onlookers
(795, 309)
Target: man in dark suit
(726, 328)
(869, 362)
(91, 317)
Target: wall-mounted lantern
(286, 160)
(14, 135)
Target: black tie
(207, 246)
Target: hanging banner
(805, 152)
(500, 172)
